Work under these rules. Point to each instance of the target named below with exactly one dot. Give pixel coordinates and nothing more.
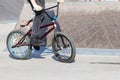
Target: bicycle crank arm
(14, 46)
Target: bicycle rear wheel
(21, 52)
(63, 47)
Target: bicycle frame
(53, 24)
(44, 26)
(50, 30)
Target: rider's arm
(60, 0)
(35, 5)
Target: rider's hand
(37, 8)
(60, 0)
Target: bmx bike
(19, 47)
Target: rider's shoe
(37, 47)
(35, 41)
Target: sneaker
(35, 41)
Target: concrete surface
(10, 9)
(100, 65)
(42, 64)
(45, 67)
(5, 28)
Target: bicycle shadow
(43, 52)
(40, 54)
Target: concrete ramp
(91, 25)
(10, 9)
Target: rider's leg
(36, 31)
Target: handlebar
(45, 11)
(54, 17)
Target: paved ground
(90, 64)
(43, 66)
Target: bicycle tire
(28, 49)
(58, 54)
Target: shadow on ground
(111, 63)
(44, 51)
(38, 54)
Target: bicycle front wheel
(63, 47)
(21, 52)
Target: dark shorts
(38, 13)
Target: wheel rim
(63, 49)
(18, 52)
